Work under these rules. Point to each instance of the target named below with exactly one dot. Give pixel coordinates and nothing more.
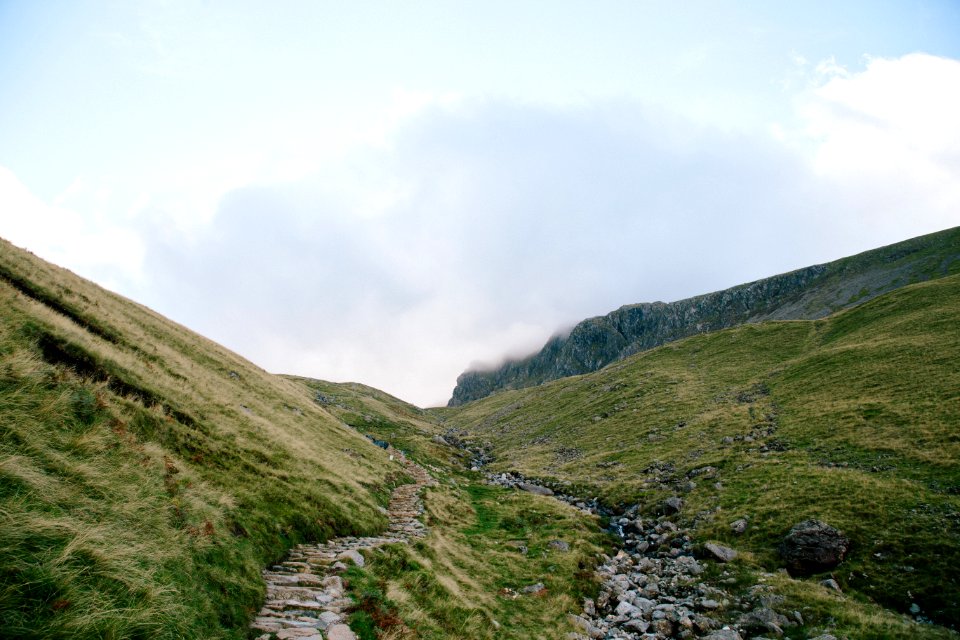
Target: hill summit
(805, 294)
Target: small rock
(689, 564)
(663, 627)
(626, 609)
(637, 624)
(587, 626)
(764, 619)
(830, 583)
(328, 619)
(558, 545)
(673, 504)
(589, 607)
(534, 589)
(914, 609)
(738, 526)
(720, 552)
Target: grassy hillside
(466, 579)
(853, 419)
(148, 474)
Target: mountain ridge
(808, 293)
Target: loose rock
(535, 488)
(720, 552)
(672, 504)
(830, 583)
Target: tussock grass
(852, 419)
(148, 474)
(465, 580)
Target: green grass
(853, 420)
(147, 474)
(465, 580)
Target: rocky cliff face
(808, 293)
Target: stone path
(305, 595)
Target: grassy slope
(146, 473)
(466, 574)
(855, 419)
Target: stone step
(304, 594)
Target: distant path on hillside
(305, 594)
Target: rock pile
(306, 597)
(652, 589)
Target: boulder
(535, 488)
(813, 546)
(673, 504)
(720, 552)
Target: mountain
(148, 476)
(809, 293)
(853, 420)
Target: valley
(154, 484)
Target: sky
(391, 193)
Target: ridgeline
(804, 294)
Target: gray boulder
(535, 488)
(813, 546)
(720, 552)
(672, 504)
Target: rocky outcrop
(812, 292)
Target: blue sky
(387, 192)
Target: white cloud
(400, 245)
(889, 138)
(90, 244)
